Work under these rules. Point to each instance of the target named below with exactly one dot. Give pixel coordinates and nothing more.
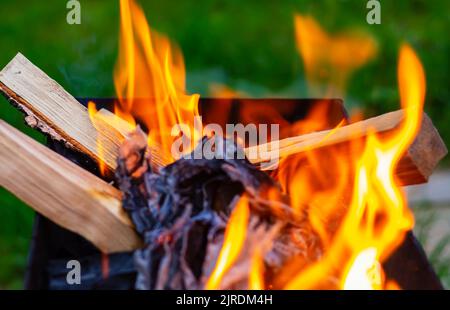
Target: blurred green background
(247, 45)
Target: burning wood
(182, 211)
(52, 110)
(220, 223)
(55, 112)
(64, 192)
(417, 163)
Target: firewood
(415, 167)
(65, 193)
(52, 110)
(55, 112)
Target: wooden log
(55, 112)
(65, 193)
(415, 167)
(423, 155)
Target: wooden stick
(292, 145)
(65, 193)
(55, 112)
(415, 167)
(423, 155)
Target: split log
(52, 110)
(65, 193)
(74, 198)
(55, 112)
(415, 167)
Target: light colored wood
(54, 111)
(415, 167)
(115, 121)
(318, 139)
(65, 193)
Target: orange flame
(92, 110)
(150, 80)
(256, 278)
(377, 217)
(330, 60)
(355, 204)
(235, 234)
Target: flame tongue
(378, 196)
(377, 218)
(234, 239)
(150, 79)
(330, 59)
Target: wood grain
(415, 167)
(55, 112)
(65, 193)
(52, 110)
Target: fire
(151, 68)
(331, 60)
(378, 194)
(149, 79)
(235, 234)
(355, 204)
(256, 279)
(377, 217)
(365, 272)
(95, 119)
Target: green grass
(247, 45)
(15, 232)
(437, 246)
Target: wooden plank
(416, 165)
(423, 155)
(55, 112)
(65, 193)
(379, 124)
